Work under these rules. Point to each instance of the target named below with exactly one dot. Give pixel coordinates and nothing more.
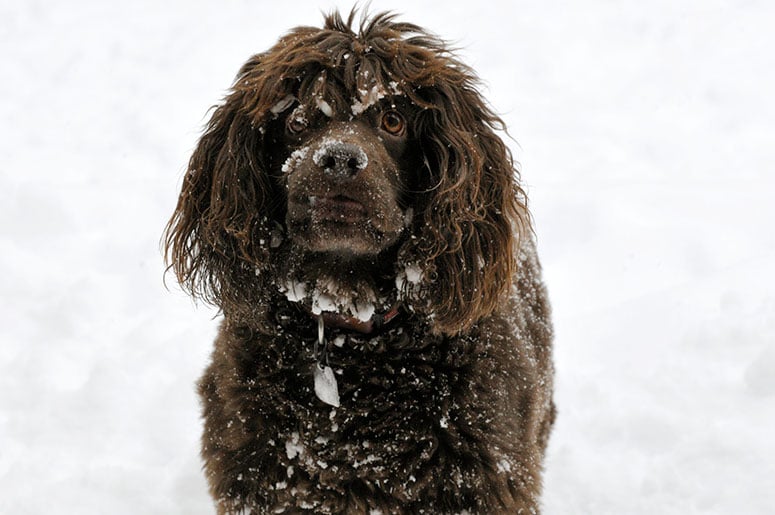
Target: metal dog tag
(325, 385)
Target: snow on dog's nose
(340, 160)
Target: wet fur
(444, 410)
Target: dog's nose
(340, 159)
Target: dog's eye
(393, 123)
(296, 124)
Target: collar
(375, 323)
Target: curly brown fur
(350, 172)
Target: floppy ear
(473, 210)
(219, 234)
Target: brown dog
(386, 343)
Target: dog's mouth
(337, 208)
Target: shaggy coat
(386, 342)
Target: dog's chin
(349, 238)
(341, 226)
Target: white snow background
(646, 133)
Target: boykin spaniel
(386, 339)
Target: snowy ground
(647, 138)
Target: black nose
(341, 160)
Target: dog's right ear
(219, 235)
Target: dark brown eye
(393, 123)
(296, 124)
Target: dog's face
(373, 146)
(345, 172)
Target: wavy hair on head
(474, 212)
(215, 238)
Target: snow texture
(645, 135)
(369, 97)
(324, 107)
(372, 95)
(296, 157)
(326, 295)
(283, 104)
(409, 278)
(331, 147)
(294, 291)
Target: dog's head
(344, 171)
(372, 145)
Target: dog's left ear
(473, 208)
(219, 233)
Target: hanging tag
(325, 385)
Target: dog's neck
(351, 292)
